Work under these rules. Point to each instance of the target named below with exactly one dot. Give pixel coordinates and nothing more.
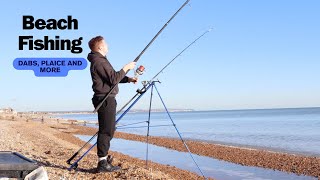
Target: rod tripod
(147, 86)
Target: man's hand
(129, 66)
(133, 80)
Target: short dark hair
(93, 43)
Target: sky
(260, 54)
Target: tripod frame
(146, 88)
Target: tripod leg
(149, 125)
(185, 145)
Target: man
(104, 77)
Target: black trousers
(106, 118)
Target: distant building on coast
(8, 110)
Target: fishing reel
(139, 71)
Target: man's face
(103, 47)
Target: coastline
(252, 147)
(257, 157)
(266, 147)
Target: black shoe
(104, 166)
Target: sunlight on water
(289, 130)
(210, 167)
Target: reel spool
(139, 71)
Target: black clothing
(106, 118)
(103, 75)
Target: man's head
(98, 44)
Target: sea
(292, 130)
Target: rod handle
(69, 160)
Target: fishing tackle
(139, 71)
(136, 97)
(111, 90)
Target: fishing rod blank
(154, 77)
(141, 53)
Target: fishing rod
(140, 92)
(136, 60)
(141, 53)
(154, 77)
(139, 71)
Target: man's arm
(125, 80)
(108, 74)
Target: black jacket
(104, 77)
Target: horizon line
(182, 109)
